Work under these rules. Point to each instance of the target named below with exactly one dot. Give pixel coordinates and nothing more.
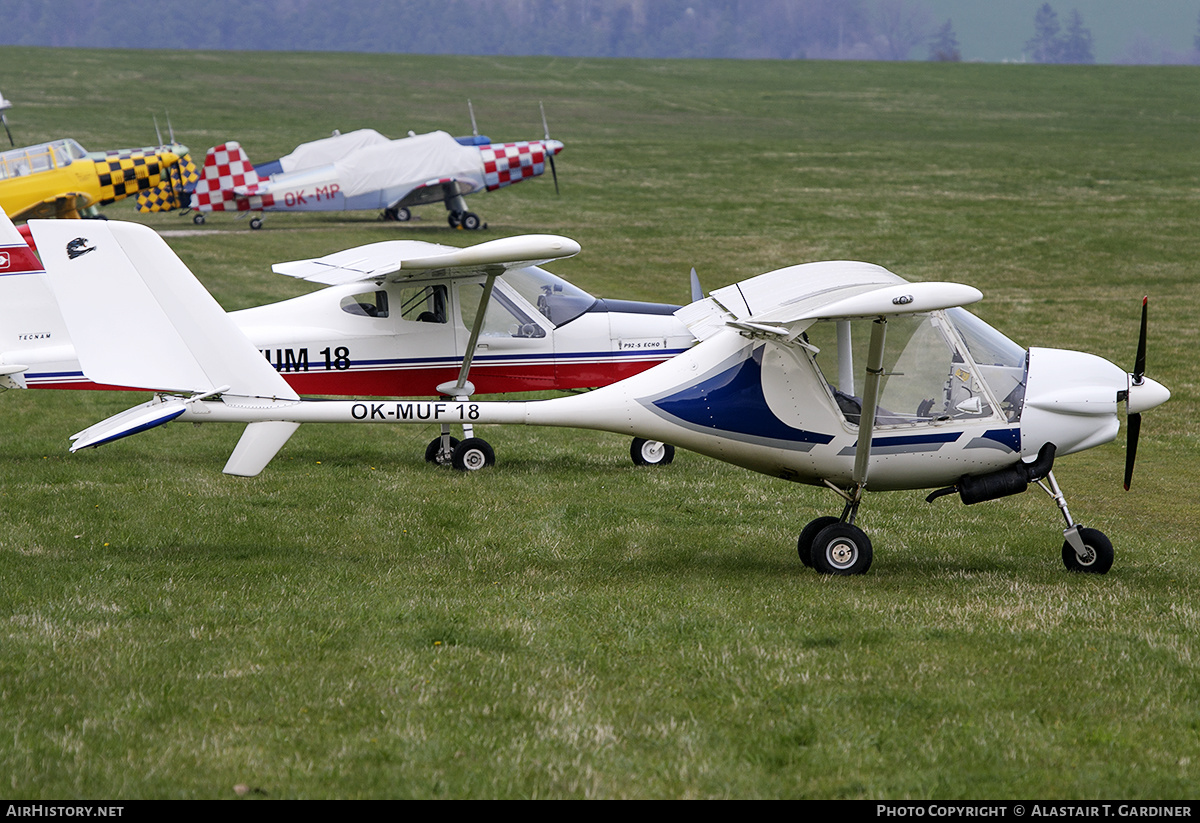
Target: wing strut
(462, 388)
(866, 422)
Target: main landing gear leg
(471, 454)
(834, 545)
(1084, 550)
(441, 448)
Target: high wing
(398, 260)
(782, 303)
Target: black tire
(805, 544)
(403, 215)
(256, 223)
(454, 218)
(472, 455)
(841, 549)
(651, 452)
(433, 451)
(471, 221)
(1100, 549)
(198, 219)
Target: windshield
(557, 300)
(1001, 362)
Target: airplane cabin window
(927, 378)
(504, 318)
(370, 304)
(423, 304)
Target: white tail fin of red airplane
(226, 170)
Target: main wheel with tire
(471, 221)
(841, 549)
(808, 534)
(1099, 553)
(472, 455)
(650, 452)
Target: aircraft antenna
(471, 109)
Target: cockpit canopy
(938, 366)
(43, 157)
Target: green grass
(353, 623)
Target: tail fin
(226, 168)
(139, 318)
(30, 322)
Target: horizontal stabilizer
(138, 317)
(131, 421)
(396, 260)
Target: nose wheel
(1084, 550)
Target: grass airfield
(356, 624)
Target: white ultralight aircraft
(400, 318)
(836, 374)
(363, 170)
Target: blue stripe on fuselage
(732, 401)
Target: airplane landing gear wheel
(841, 549)
(198, 219)
(804, 546)
(471, 221)
(256, 223)
(401, 215)
(434, 453)
(472, 454)
(650, 452)
(1100, 553)
(454, 218)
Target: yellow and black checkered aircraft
(61, 179)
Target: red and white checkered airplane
(363, 170)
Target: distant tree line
(1051, 44)
(780, 29)
(762, 29)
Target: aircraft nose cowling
(1071, 400)
(1146, 395)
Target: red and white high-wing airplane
(398, 318)
(363, 170)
